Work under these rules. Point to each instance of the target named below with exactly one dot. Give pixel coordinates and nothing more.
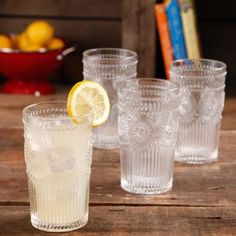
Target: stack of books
(176, 23)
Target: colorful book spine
(164, 35)
(176, 29)
(189, 28)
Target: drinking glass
(148, 123)
(58, 155)
(202, 83)
(109, 67)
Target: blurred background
(128, 24)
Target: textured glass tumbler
(202, 83)
(148, 131)
(109, 67)
(58, 163)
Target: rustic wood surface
(202, 201)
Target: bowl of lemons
(28, 59)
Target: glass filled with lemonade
(58, 156)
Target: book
(189, 28)
(163, 29)
(176, 29)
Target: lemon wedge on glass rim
(85, 96)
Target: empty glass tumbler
(109, 67)
(148, 123)
(202, 84)
(58, 156)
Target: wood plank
(204, 185)
(139, 33)
(130, 24)
(86, 33)
(147, 39)
(62, 8)
(11, 105)
(123, 220)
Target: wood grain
(130, 24)
(147, 39)
(206, 185)
(121, 220)
(139, 33)
(62, 8)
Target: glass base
(196, 158)
(49, 227)
(147, 190)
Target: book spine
(176, 29)
(163, 29)
(189, 28)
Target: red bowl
(28, 72)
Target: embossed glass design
(108, 67)
(148, 131)
(202, 84)
(58, 164)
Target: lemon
(32, 48)
(56, 43)
(23, 41)
(26, 46)
(5, 42)
(40, 32)
(85, 96)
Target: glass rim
(132, 58)
(177, 68)
(27, 115)
(158, 81)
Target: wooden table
(202, 202)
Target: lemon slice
(86, 96)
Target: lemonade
(58, 160)
(58, 156)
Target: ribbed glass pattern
(148, 132)
(58, 156)
(197, 142)
(58, 205)
(202, 86)
(147, 171)
(109, 67)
